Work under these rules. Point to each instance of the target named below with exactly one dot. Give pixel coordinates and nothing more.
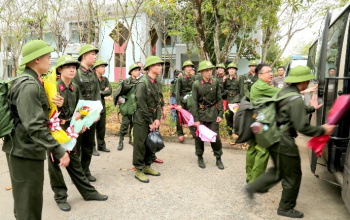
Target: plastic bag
(155, 141)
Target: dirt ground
(183, 191)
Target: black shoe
(220, 164)
(91, 178)
(249, 192)
(95, 153)
(121, 145)
(291, 213)
(64, 206)
(201, 163)
(97, 197)
(104, 150)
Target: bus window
(334, 43)
(311, 62)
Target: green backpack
(6, 117)
(265, 118)
(129, 106)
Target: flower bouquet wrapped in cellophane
(54, 123)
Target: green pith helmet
(20, 69)
(232, 65)
(221, 65)
(151, 60)
(187, 63)
(132, 67)
(206, 64)
(99, 62)
(34, 49)
(67, 59)
(253, 63)
(86, 48)
(299, 74)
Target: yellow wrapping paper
(51, 92)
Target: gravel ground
(183, 191)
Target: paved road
(183, 191)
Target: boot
(121, 144)
(104, 149)
(291, 213)
(148, 170)
(219, 164)
(131, 142)
(64, 206)
(140, 175)
(97, 197)
(94, 152)
(91, 178)
(201, 163)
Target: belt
(233, 95)
(206, 106)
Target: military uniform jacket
(104, 83)
(247, 82)
(262, 89)
(209, 110)
(71, 95)
(173, 88)
(31, 137)
(183, 87)
(220, 80)
(88, 84)
(160, 91)
(293, 112)
(232, 89)
(148, 101)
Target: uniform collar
(85, 70)
(151, 80)
(203, 82)
(234, 77)
(31, 72)
(188, 76)
(218, 76)
(62, 86)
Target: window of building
(120, 60)
(82, 32)
(120, 34)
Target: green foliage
(110, 108)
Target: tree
(230, 20)
(293, 17)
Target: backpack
(129, 106)
(6, 117)
(261, 114)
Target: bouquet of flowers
(53, 124)
(85, 114)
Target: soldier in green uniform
(67, 67)
(221, 78)
(250, 78)
(146, 117)
(89, 87)
(30, 139)
(258, 157)
(134, 72)
(232, 88)
(183, 93)
(207, 109)
(285, 154)
(106, 90)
